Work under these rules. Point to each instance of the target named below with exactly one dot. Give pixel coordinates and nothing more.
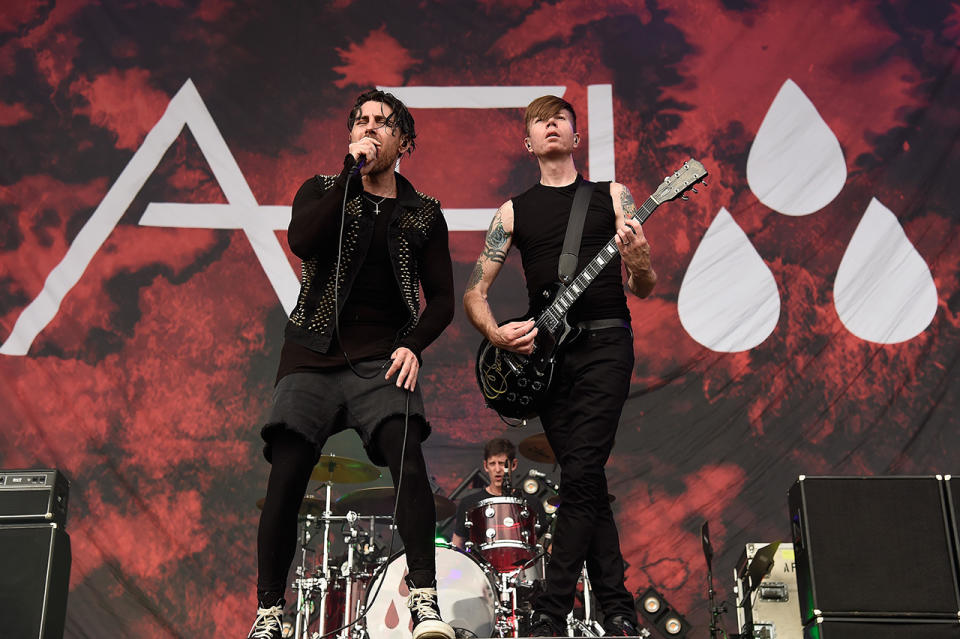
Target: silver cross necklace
(376, 205)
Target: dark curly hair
(400, 118)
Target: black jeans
(293, 459)
(591, 382)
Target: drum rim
(506, 543)
(500, 499)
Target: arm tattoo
(475, 277)
(629, 206)
(497, 238)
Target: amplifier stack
(34, 553)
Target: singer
(499, 461)
(593, 372)
(352, 349)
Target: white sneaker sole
(431, 629)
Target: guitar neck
(565, 300)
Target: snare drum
(465, 591)
(503, 529)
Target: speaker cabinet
(873, 547)
(34, 580)
(953, 509)
(880, 629)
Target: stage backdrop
(805, 319)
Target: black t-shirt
(472, 499)
(540, 217)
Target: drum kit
(485, 589)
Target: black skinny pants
(592, 380)
(294, 459)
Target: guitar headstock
(682, 180)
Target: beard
(384, 163)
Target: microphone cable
(336, 283)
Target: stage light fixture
(672, 624)
(658, 612)
(652, 605)
(547, 506)
(531, 486)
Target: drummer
(499, 458)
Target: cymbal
(343, 470)
(555, 500)
(536, 448)
(380, 500)
(309, 506)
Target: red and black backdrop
(805, 321)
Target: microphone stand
(506, 489)
(715, 610)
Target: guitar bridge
(514, 366)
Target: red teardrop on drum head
(392, 619)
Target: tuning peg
(694, 190)
(704, 183)
(684, 198)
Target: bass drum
(465, 591)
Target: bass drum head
(465, 593)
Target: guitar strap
(571, 242)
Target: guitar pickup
(512, 364)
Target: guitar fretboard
(569, 295)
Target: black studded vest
(311, 323)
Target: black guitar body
(516, 385)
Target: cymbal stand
(588, 626)
(507, 623)
(304, 584)
(351, 542)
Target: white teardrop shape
(795, 166)
(728, 300)
(884, 291)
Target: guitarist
(592, 375)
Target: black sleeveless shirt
(540, 218)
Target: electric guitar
(515, 385)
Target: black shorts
(318, 405)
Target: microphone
(359, 165)
(537, 474)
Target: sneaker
(269, 623)
(620, 626)
(545, 625)
(425, 613)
